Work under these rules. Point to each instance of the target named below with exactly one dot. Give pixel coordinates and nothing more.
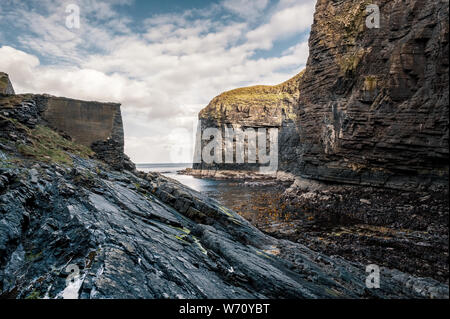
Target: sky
(162, 60)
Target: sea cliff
(371, 106)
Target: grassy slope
(45, 145)
(259, 96)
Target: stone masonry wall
(93, 124)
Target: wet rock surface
(147, 236)
(397, 229)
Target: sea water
(235, 194)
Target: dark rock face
(394, 228)
(5, 84)
(373, 108)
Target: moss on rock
(47, 145)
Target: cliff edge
(248, 108)
(260, 105)
(94, 125)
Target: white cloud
(163, 76)
(284, 23)
(246, 8)
(20, 66)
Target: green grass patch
(350, 62)
(258, 97)
(370, 83)
(48, 146)
(33, 295)
(3, 82)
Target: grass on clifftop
(258, 96)
(45, 145)
(48, 146)
(262, 92)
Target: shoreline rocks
(147, 236)
(227, 174)
(397, 229)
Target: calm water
(233, 194)
(170, 170)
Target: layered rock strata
(373, 108)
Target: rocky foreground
(146, 236)
(371, 109)
(404, 230)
